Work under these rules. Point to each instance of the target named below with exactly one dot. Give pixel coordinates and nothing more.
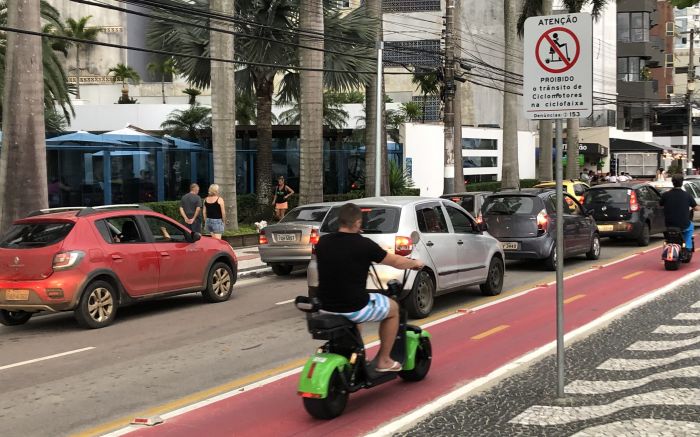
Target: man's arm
(401, 262)
(182, 213)
(196, 213)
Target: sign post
(558, 85)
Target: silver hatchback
(288, 242)
(455, 250)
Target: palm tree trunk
(23, 157)
(375, 12)
(77, 71)
(510, 176)
(544, 171)
(223, 110)
(425, 103)
(311, 123)
(264, 88)
(162, 91)
(572, 127)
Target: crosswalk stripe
(658, 427)
(662, 345)
(583, 387)
(677, 329)
(695, 305)
(687, 316)
(631, 364)
(544, 415)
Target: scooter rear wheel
(672, 265)
(424, 356)
(332, 405)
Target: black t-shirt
(343, 261)
(677, 203)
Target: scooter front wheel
(333, 404)
(672, 265)
(424, 356)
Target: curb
(255, 273)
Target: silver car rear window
(375, 220)
(306, 214)
(509, 205)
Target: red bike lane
(465, 348)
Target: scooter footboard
(316, 375)
(413, 340)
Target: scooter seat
(328, 321)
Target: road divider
(490, 332)
(574, 298)
(48, 357)
(632, 275)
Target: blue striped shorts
(376, 310)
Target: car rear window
(32, 235)
(608, 196)
(509, 205)
(306, 214)
(375, 220)
(466, 202)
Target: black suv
(627, 210)
(524, 222)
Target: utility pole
(449, 172)
(691, 88)
(545, 166)
(381, 141)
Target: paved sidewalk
(639, 376)
(249, 264)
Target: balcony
(651, 50)
(636, 5)
(641, 89)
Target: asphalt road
(161, 351)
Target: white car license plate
(17, 294)
(605, 228)
(509, 246)
(286, 238)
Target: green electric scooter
(341, 367)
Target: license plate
(509, 246)
(17, 294)
(286, 237)
(605, 228)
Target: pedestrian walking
(279, 198)
(191, 209)
(214, 212)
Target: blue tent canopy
(82, 138)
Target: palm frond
(531, 8)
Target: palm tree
(245, 109)
(533, 8)
(124, 74)
(411, 111)
(510, 171)
(334, 116)
(223, 102)
(428, 85)
(188, 123)
(162, 67)
(78, 29)
(681, 4)
(23, 156)
(193, 93)
(311, 93)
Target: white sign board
(558, 70)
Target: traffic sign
(560, 83)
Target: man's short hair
(349, 214)
(677, 180)
(193, 186)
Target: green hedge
(495, 186)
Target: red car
(93, 260)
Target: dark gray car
(525, 222)
(471, 201)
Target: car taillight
(634, 205)
(479, 219)
(314, 237)
(403, 246)
(542, 221)
(580, 200)
(67, 260)
(262, 238)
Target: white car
(456, 251)
(691, 186)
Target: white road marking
(441, 402)
(284, 302)
(662, 345)
(695, 305)
(687, 316)
(651, 427)
(48, 357)
(583, 387)
(545, 415)
(631, 364)
(677, 329)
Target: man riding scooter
(678, 210)
(344, 259)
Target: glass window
(570, 206)
(33, 235)
(623, 27)
(431, 220)
(607, 196)
(124, 230)
(480, 161)
(509, 205)
(479, 144)
(410, 5)
(633, 26)
(669, 89)
(669, 61)
(579, 189)
(460, 222)
(375, 220)
(165, 232)
(670, 28)
(630, 69)
(306, 214)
